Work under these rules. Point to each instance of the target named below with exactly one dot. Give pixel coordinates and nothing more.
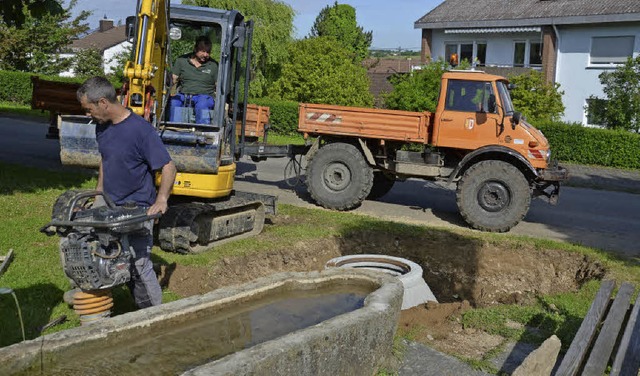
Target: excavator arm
(145, 74)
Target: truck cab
(475, 111)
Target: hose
(294, 169)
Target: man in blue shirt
(131, 152)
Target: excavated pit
(456, 268)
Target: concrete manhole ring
(416, 290)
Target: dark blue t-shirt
(131, 151)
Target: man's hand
(160, 206)
(166, 183)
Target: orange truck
(475, 139)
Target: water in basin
(180, 343)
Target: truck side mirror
(515, 119)
(129, 30)
(491, 106)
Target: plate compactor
(94, 246)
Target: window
(527, 53)
(481, 54)
(611, 50)
(473, 52)
(535, 53)
(596, 108)
(468, 96)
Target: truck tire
(493, 196)
(338, 177)
(382, 184)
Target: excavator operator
(195, 73)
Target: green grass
(278, 139)
(19, 109)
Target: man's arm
(100, 178)
(166, 184)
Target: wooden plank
(6, 260)
(602, 349)
(586, 333)
(627, 360)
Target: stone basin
(334, 322)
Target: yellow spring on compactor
(92, 306)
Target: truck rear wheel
(493, 196)
(382, 184)
(338, 177)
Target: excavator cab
(201, 141)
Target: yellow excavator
(204, 209)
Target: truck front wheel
(338, 177)
(493, 196)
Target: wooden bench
(608, 335)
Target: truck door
(464, 120)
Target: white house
(110, 40)
(570, 41)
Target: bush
(535, 98)
(621, 109)
(322, 72)
(592, 146)
(418, 90)
(16, 87)
(284, 115)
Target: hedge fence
(593, 146)
(15, 87)
(569, 142)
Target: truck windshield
(505, 98)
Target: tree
(88, 63)
(339, 21)
(621, 108)
(273, 32)
(418, 90)
(13, 12)
(322, 72)
(536, 99)
(120, 59)
(33, 44)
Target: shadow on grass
(21, 179)
(36, 304)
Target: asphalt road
(597, 218)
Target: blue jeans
(201, 103)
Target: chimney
(105, 24)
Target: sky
(391, 21)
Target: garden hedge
(15, 87)
(284, 115)
(592, 146)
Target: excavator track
(194, 227)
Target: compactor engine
(94, 241)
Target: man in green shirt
(196, 75)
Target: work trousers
(201, 104)
(144, 284)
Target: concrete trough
(234, 331)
